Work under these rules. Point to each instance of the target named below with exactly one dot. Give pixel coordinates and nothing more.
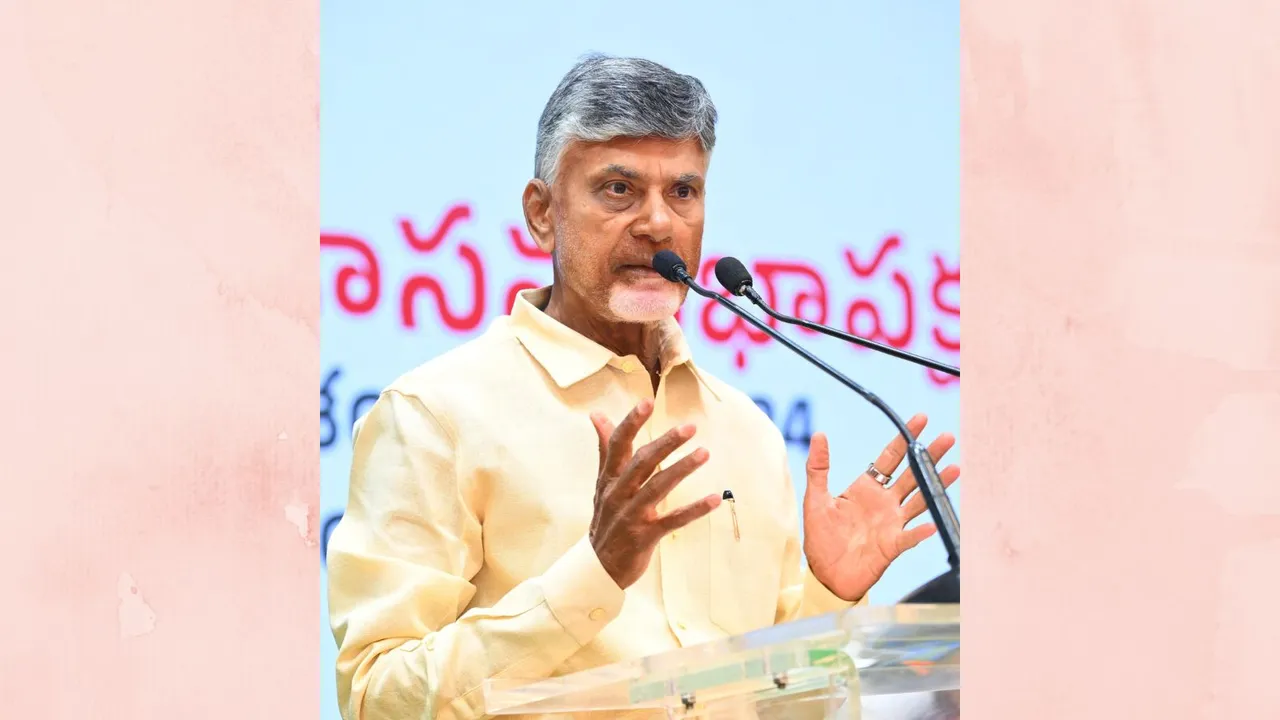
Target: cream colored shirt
(463, 551)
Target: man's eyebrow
(689, 178)
(622, 170)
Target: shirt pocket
(745, 572)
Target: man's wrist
(581, 594)
(816, 588)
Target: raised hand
(626, 526)
(851, 539)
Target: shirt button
(628, 366)
(680, 626)
(596, 614)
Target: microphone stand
(749, 291)
(946, 587)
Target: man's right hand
(626, 526)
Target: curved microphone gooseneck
(946, 587)
(735, 278)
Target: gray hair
(604, 97)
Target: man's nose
(654, 222)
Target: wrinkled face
(614, 205)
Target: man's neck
(623, 339)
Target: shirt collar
(569, 357)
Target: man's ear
(537, 215)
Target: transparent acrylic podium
(897, 661)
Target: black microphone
(946, 587)
(735, 278)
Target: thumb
(604, 430)
(601, 423)
(817, 466)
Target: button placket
(674, 589)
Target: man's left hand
(851, 538)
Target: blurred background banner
(835, 179)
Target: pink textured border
(1121, 408)
(159, 315)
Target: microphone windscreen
(733, 275)
(668, 265)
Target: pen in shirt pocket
(733, 512)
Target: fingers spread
(893, 453)
(915, 505)
(680, 517)
(648, 458)
(940, 446)
(660, 485)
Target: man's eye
(684, 192)
(617, 188)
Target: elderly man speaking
(547, 497)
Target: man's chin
(645, 306)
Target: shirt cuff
(819, 600)
(581, 595)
